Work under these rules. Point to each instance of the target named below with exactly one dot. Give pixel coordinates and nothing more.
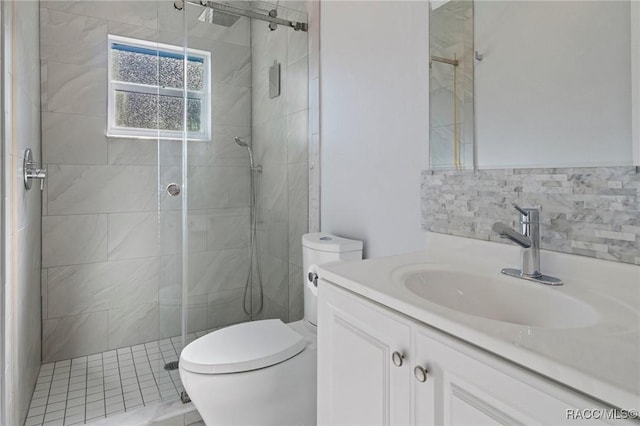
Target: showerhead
(240, 142)
(217, 17)
(243, 144)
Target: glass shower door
(216, 172)
(231, 239)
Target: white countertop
(601, 360)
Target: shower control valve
(31, 171)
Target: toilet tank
(319, 248)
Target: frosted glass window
(147, 89)
(149, 68)
(145, 111)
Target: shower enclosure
(156, 229)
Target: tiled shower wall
(313, 10)
(281, 140)
(21, 208)
(591, 212)
(111, 265)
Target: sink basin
(497, 297)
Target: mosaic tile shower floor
(89, 388)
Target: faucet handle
(522, 211)
(528, 214)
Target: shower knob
(173, 189)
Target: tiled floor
(85, 389)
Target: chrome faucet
(529, 240)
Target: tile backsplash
(591, 212)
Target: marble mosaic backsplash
(591, 212)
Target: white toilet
(263, 372)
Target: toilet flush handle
(313, 278)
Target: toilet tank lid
(242, 347)
(327, 242)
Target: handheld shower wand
(254, 275)
(243, 144)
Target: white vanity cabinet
(358, 382)
(361, 382)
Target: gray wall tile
(217, 270)
(171, 231)
(71, 38)
(22, 228)
(138, 152)
(269, 141)
(298, 210)
(298, 137)
(275, 279)
(228, 228)
(132, 235)
(72, 336)
(273, 207)
(314, 184)
(298, 86)
(74, 239)
(235, 69)
(101, 189)
(586, 211)
(225, 308)
(132, 325)
(231, 105)
(76, 89)
(296, 293)
(218, 187)
(131, 12)
(99, 286)
(73, 139)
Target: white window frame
(138, 133)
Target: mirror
(554, 84)
(451, 130)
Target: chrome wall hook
(479, 56)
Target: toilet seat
(242, 347)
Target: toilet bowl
(263, 372)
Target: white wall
(554, 87)
(374, 122)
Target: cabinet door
(358, 382)
(468, 386)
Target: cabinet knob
(397, 359)
(420, 373)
